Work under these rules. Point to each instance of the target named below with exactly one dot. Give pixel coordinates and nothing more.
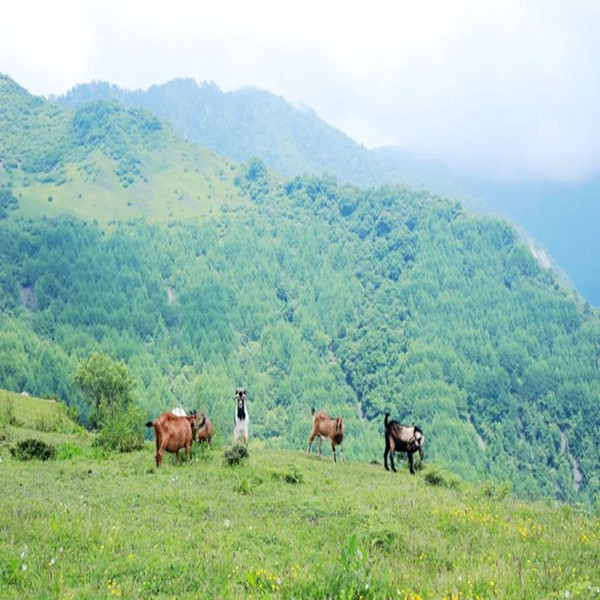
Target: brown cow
(325, 426)
(172, 434)
(204, 432)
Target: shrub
(293, 475)
(33, 449)
(46, 425)
(7, 415)
(496, 491)
(437, 477)
(122, 429)
(67, 451)
(235, 454)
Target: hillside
(104, 162)
(278, 525)
(25, 412)
(310, 293)
(250, 122)
(243, 124)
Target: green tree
(108, 387)
(105, 384)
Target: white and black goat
(241, 420)
(402, 438)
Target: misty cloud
(509, 89)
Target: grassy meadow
(278, 525)
(92, 187)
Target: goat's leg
(342, 453)
(159, 454)
(177, 457)
(188, 448)
(385, 453)
(310, 441)
(333, 448)
(392, 452)
(410, 462)
(319, 446)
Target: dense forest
(251, 122)
(307, 292)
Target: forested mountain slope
(310, 293)
(250, 122)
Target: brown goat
(325, 426)
(172, 434)
(403, 439)
(204, 432)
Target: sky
(507, 89)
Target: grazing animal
(402, 438)
(241, 419)
(325, 426)
(204, 432)
(172, 434)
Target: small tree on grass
(107, 386)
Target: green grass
(279, 525)
(183, 182)
(45, 415)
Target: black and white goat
(241, 420)
(402, 438)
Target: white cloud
(507, 87)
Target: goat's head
(240, 395)
(192, 420)
(339, 425)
